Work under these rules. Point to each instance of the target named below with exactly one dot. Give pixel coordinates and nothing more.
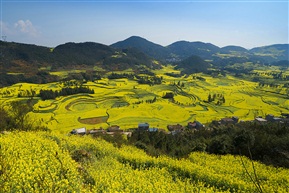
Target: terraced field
(125, 103)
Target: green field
(123, 102)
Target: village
(177, 128)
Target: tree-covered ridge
(193, 64)
(27, 58)
(181, 50)
(151, 49)
(132, 52)
(50, 94)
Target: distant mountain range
(184, 49)
(132, 53)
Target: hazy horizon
(222, 23)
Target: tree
(19, 111)
(223, 99)
(209, 98)
(168, 95)
(5, 120)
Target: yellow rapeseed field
(126, 103)
(53, 162)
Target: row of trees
(42, 77)
(38, 78)
(50, 94)
(218, 98)
(123, 75)
(150, 80)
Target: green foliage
(221, 144)
(193, 64)
(50, 94)
(267, 143)
(168, 95)
(150, 80)
(218, 98)
(16, 117)
(117, 139)
(176, 75)
(149, 48)
(118, 76)
(38, 77)
(184, 49)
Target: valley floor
(126, 103)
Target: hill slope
(16, 57)
(151, 49)
(184, 49)
(130, 53)
(193, 64)
(228, 49)
(272, 52)
(24, 57)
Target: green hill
(184, 49)
(25, 58)
(18, 57)
(151, 49)
(273, 52)
(193, 64)
(229, 49)
(88, 53)
(130, 53)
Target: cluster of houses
(272, 118)
(268, 119)
(115, 129)
(174, 129)
(112, 130)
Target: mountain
(184, 49)
(88, 53)
(193, 64)
(128, 58)
(283, 63)
(131, 53)
(273, 52)
(27, 58)
(151, 49)
(176, 51)
(181, 50)
(228, 49)
(18, 56)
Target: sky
(220, 22)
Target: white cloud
(26, 27)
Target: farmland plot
(125, 103)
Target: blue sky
(229, 22)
